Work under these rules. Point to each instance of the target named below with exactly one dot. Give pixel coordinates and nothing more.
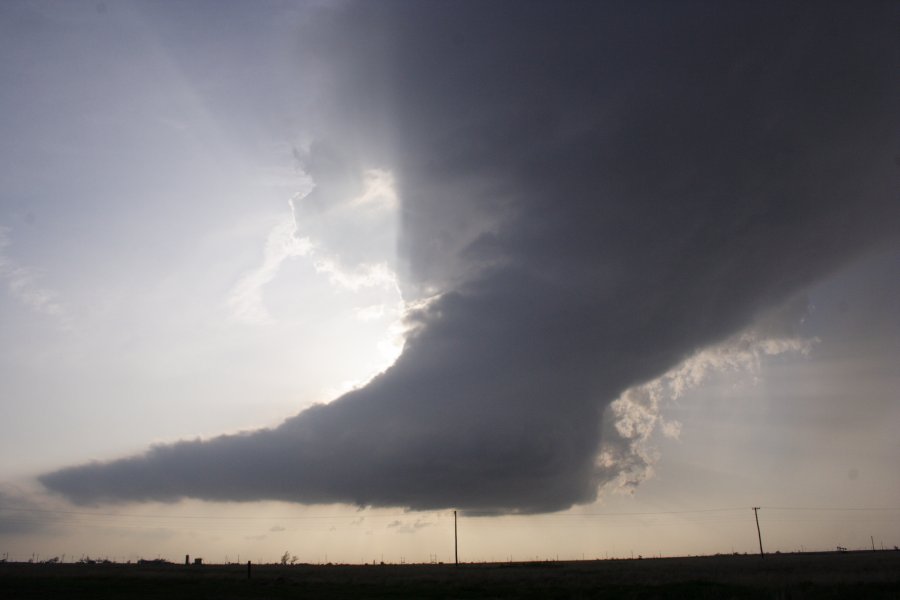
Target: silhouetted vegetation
(796, 576)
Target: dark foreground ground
(794, 576)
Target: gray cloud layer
(598, 191)
(23, 513)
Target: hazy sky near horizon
(650, 249)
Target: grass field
(782, 576)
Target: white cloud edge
(628, 452)
(284, 241)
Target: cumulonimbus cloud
(596, 194)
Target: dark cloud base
(599, 192)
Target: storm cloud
(590, 194)
(23, 512)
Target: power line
(438, 513)
(213, 517)
(639, 514)
(834, 508)
(354, 516)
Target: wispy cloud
(400, 526)
(286, 240)
(379, 191)
(23, 283)
(246, 299)
(363, 276)
(628, 453)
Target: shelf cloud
(590, 195)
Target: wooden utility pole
(455, 541)
(756, 514)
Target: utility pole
(756, 514)
(455, 541)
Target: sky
(310, 276)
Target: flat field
(794, 576)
